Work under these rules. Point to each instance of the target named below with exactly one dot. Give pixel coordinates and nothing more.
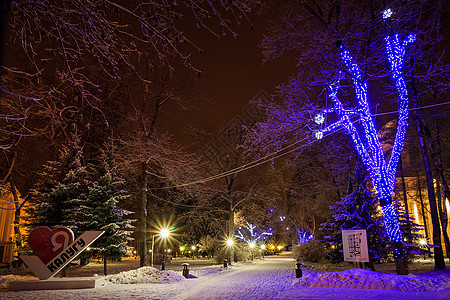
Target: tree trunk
(105, 268)
(445, 192)
(419, 187)
(231, 230)
(405, 199)
(18, 208)
(143, 218)
(439, 263)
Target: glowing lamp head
(230, 242)
(279, 247)
(263, 247)
(164, 233)
(193, 247)
(423, 242)
(181, 248)
(252, 245)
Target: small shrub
(241, 253)
(311, 252)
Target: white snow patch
(365, 279)
(145, 275)
(203, 271)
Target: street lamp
(279, 248)
(193, 252)
(230, 244)
(252, 245)
(164, 233)
(182, 250)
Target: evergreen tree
(58, 194)
(102, 213)
(358, 210)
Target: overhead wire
(274, 155)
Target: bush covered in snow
(145, 275)
(241, 253)
(312, 252)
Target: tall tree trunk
(231, 229)
(105, 266)
(441, 208)
(439, 263)
(405, 198)
(18, 208)
(445, 192)
(419, 187)
(143, 217)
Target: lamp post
(164, 234)
(230, 244)
(252, 245)
(423, 243)
(193, 252)
(182, 250)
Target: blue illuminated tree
(365, 139)
(253, 236)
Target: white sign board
(355, 245)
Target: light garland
(368, 146)
(304, 236)
(254, 236)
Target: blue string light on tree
(368, 146)
(304, 236)
(253, 236)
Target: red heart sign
(47, 243)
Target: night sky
(233, 70)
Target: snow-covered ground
(272, 278)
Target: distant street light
(263, 247)
(193, 252)
(252, 245)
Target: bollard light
(298, 270)
(185, 270)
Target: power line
(273, 156)
(258, 162)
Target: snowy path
(259, 280)
(271, 278)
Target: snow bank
(145, 275)
(365, 279)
